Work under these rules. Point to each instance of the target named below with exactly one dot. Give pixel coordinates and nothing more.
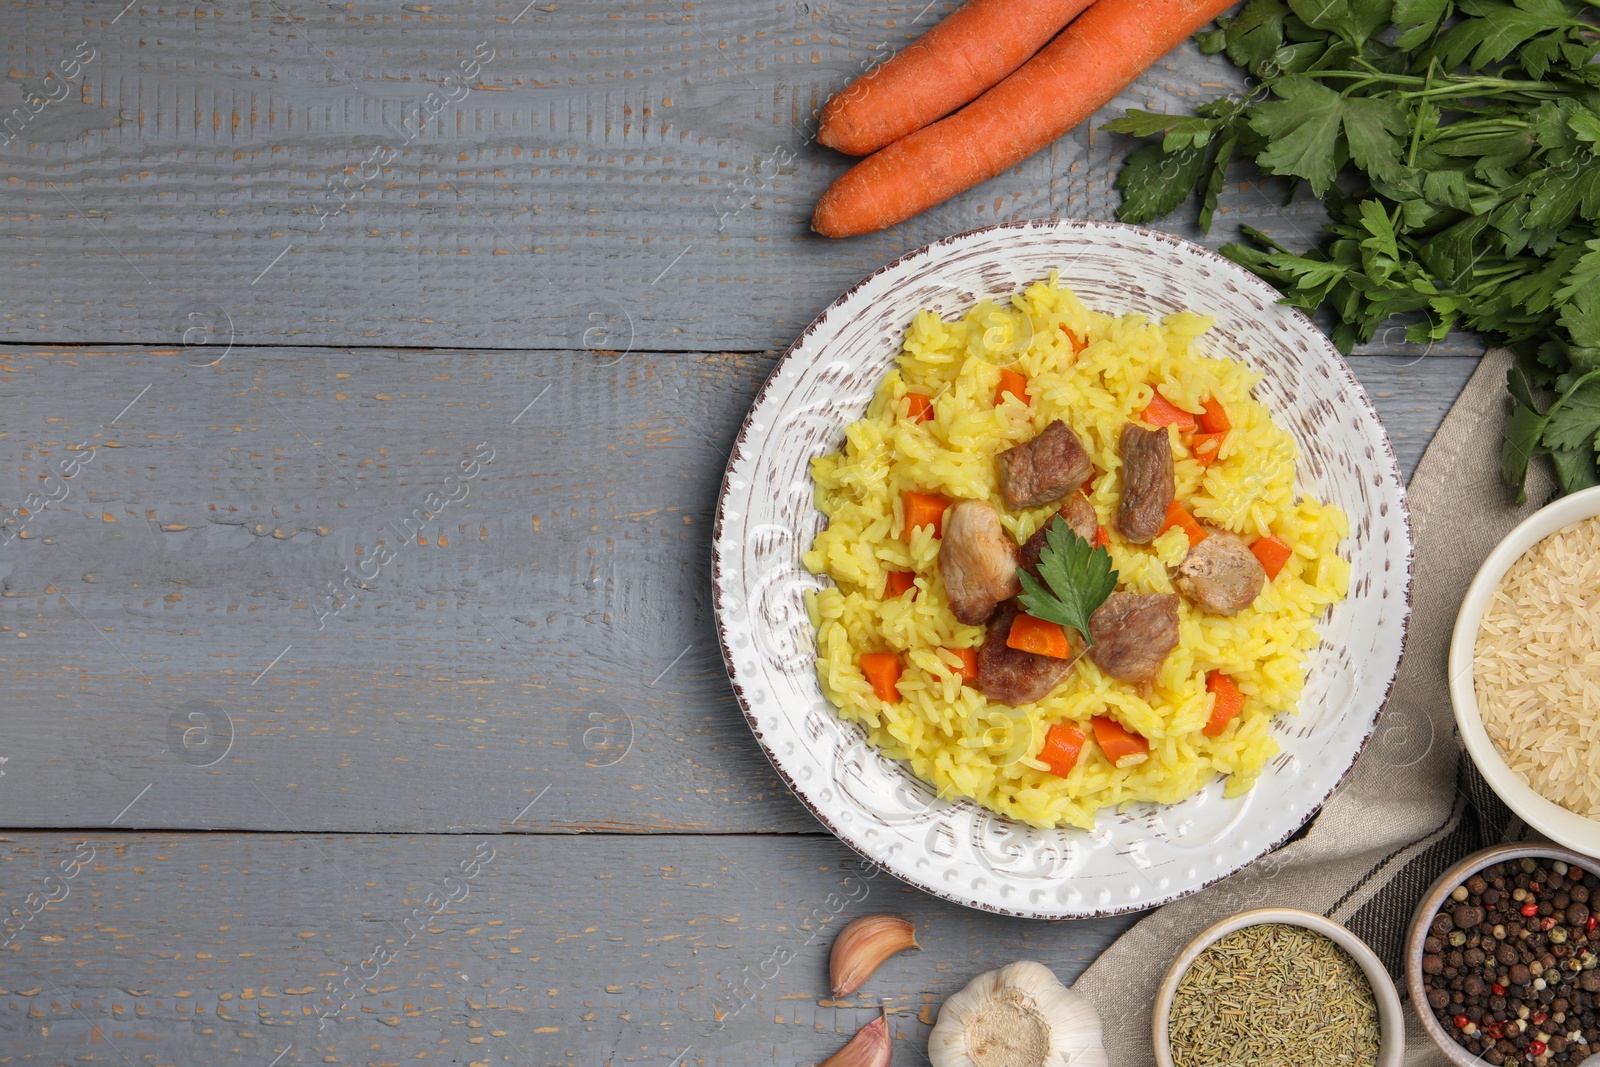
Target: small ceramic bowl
(1429, 907)
(1549, 818)
(1390, 1018)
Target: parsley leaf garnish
(1077, 580)
(1456, 144)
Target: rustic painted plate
(958, 850)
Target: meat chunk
(1133, 633)
(1221, 574)
(1148, 484)
(1080, 515)
(1010, 675)
(977, 560)
(1046, 468)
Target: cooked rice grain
(1536, 666)
(949, 734)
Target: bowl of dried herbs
(1278, 986)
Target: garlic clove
(861, 948)
(871, 1047)
(1018, 1016)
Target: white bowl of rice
(1525, 671)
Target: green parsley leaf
(1576, 468)
(1372, 125)
(1523, 429)
(1216, 177)
(1256, 33)
(1574, 420)
(1154, 182)
(1077, 580)
(1303, 125)
(1422, 19)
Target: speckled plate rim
(1429, 904)
(1391, 1016)
(1389, 474)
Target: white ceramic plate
(960, 850)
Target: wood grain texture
(551, 627)
(211, 948)
(617, 197)
(214, 161)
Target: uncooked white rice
(1537, 667)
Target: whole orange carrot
(1093, 59)
(951, 64)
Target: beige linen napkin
(1413, 804)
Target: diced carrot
(1062, 747)
(899, 582)
(1039, 636)
(919, 408)
(883, 671)
(1122, 747)
(1214, 419)
(1078, 343)
(1101, 537)
(969, 663)
(1178, 516)
(1162, 412)
(1206, 447)
(923, 509)
(1013, 383)
(1273, 554)
(1228, 704)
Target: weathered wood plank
(637, 173)
(167, 949)
(553, 615)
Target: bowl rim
(1388, 471)
(1566, 828)
(1429, 904)
(1391, 1017)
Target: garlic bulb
(862, 947)
(1018, 1016)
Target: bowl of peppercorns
(1504, 958)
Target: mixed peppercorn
(1510, 964)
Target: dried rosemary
(1274, 995)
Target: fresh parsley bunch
(1457, 144)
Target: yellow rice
(950, 735)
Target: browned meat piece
(1147, 482)
(977, 560)
(1221, 574)
(1010, 675)
(1080, 515)
(1046, 468)
(1133, 633)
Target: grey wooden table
(273, 272)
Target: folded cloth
(1413, 804)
